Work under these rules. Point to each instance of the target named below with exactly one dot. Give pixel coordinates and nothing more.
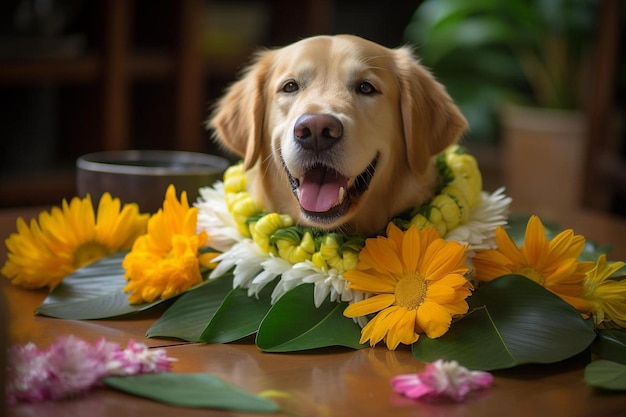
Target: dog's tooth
(341, 196)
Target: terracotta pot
(543, 160)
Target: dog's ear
(239, 115)
(431, 121)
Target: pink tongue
(319, 189)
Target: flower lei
(270, 245)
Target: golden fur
(391, 115)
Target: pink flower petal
(441, 379)
(138, 359)
(71, 366)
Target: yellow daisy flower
(166, 261)
(417, 281)
(553, 264)
(61, 241)
(606, 296)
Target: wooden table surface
(328, 382)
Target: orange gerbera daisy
(417, 281)
(606, 296)
(69, 237)
(166, 261)
(553, 264)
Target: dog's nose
(317, 132)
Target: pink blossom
(71, 366)
(138, 359)
(27, 373)
(441, 379)
(74, 366)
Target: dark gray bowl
(142, 176)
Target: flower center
(531, 273)
(89, 252)
(411, 291)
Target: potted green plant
(512, 66)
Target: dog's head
(340, 131)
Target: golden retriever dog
(337, 131)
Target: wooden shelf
(36, 71)
(88, 69)
(144, 80)
(151, 66)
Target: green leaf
(606, 374)
(294, 323)
(611, 344)
(238, 316)
(95, 291)
(188, 316)
(191, 390)
(513, 321)
(471, 33)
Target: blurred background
(542, 83)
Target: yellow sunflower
(553, 264)
(606, 296)
(61, 241)
(166, 261)
(417, 282)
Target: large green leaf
(188, 316)
(95, 291)
(606, 375)
(513, 321)
(294, 323)
(471, 33)
(238, 316)
(611, 345)
(192, 390)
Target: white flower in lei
(246, 258)
(328, 283)
(215, 218)
(479, 231)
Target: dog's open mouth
(325, 194)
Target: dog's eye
(365, 88)
(290, 87)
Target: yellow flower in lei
(166, 261)
(606, 296)
(241, 205)
(461, 192)
(553, 264)
(417, 281)
(61, 241)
